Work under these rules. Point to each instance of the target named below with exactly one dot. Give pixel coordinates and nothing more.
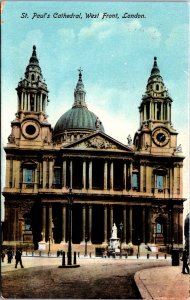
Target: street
(95, 278)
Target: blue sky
(116, 56)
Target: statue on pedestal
(114, 232)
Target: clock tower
(31, 129)
(156, 134)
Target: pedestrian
(2, 256)
(18, 258)
(185, 264)
(9, 256)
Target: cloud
(33, 37)
(153, 33)
(98, 29)
(68, 35)
(102, 30)
(178, 36)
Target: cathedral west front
(138, 186)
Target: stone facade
(105, 181)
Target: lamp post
(172, 243)
(86, 240)
(49, 242)
(138, 246)
(121, 235)
(70, 201)
(69, 261)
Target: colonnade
(39, 102)
(150, 109)
(88, 222)
(43, 176)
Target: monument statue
(114, 232)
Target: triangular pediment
(99, 141)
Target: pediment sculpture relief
(99, 143)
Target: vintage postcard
(94, 149)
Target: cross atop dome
(79, 94)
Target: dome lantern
(77, 121)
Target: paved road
(95, 278)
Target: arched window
(157, 87)
(159, 227)
(33, 77)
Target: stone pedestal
(42, 246)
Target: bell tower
(156, 134)
(31, 128)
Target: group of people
(18, 258)
(10, 255)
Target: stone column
(111, 175)
(22, 101)
(144, 112)
(124, 176)
(28, 102)
(84, 174)
(90, 175)
(111, 219)
(150, 227)
(162, 116)
(141, 177)
(148, 179)
(156, 111)
(51, 173)
(50, 223)
(130, 225)
(105, 224)
(150, 111)
(40, 102)
(44, 173)
(63, 224)
(124, 225)
(43, 222)
(167, 112)
(181, 179)
(35, 96)
(105, 175)
(175, 179)
(7, 184)
(171, 182)
(90, 225)
(143, 225)
(16, 173)
(64, 183)
(18, 102)
(83, 223)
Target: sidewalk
(163, 283)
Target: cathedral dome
(78, 119)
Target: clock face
(160, 137)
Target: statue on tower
(97, 124)
(129, 140)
